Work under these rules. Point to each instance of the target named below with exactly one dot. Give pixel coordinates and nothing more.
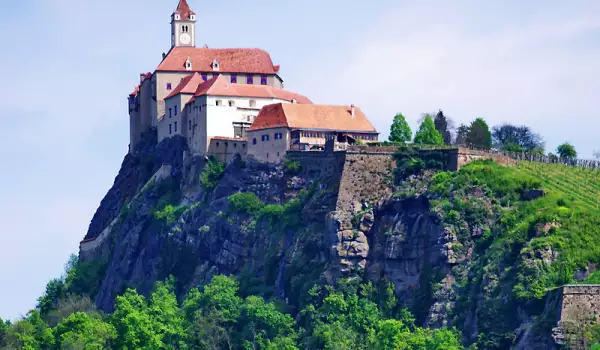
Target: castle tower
(183, 26)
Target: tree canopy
(442, 125)
(566, 150)
(427, 133)
(479, 135)
(400, 131)
(517, 138)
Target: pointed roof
(220, 86)
(241, 60)
(187, 85)
(183, 10)
(312, 117)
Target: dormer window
(250, 80)
(234, 79)
(215, 64)
(204, 77)
(192, 17)
(177, 17)
(263, 80)
(188, 64)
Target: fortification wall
(579, 308)
(466, 155)
(319, 164)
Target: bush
(169, 213)
(292, 166)
(211, 174)
(246, 202)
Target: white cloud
(540, 72)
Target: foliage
(30, 333)
(211, 174)
(442, 125)
(479, 135)
(292, 166)
(400, 131)
(413, 161)
(169, 213)
(246, 202)
(566, 150)
(514, 138)
(461, 135)
(427, 133)
(81, 330)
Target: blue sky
(68, 66)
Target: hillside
(341, 246)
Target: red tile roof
(135, 91)
(312, 117)
(220, 86)
(187, 85)
(184, 10)
(255, 61)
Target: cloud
(541, 71)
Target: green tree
(4, 327)
(400, 131)
(442, 125)
(134, 325)
(30, 333)
(211, 174)
(461, 135)
(166, 316)
(479, 135)
(83, 331)
(427, 133)
(566, 150)
(261, 322)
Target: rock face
(135, 171)
(337, 218)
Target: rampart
(579, 308)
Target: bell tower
(183, 26)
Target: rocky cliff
(328, 217)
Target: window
(234, 79)
(267, 154)
(219, 102)
(169, 86)
(170, 113)
(189, 125)
(175, 126)
(265, 138)
(235, 145)
(278, 136)
(254, 141)
(252, 103)
(277, 154)
(226, 144)
(250, 80)
(204, 77)
(189, 107)
(244, 145)
(217, 145)
(175, 110)
(170, 130)
(263, 80)
(231, 103)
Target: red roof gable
(220, 86)
(184, 10)
(255, 61)
(312, 117)
(187, 85)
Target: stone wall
(579, 308)
(466, 155)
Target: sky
(68, 66)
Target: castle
(212, 97)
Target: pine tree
(441, 125)
(479, 135)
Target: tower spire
(184, 11)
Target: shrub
(169, 213)
(211, 174)
(292, 166)
(246, 202)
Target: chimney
(352, 110)
(142, 77)
(164, 55)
